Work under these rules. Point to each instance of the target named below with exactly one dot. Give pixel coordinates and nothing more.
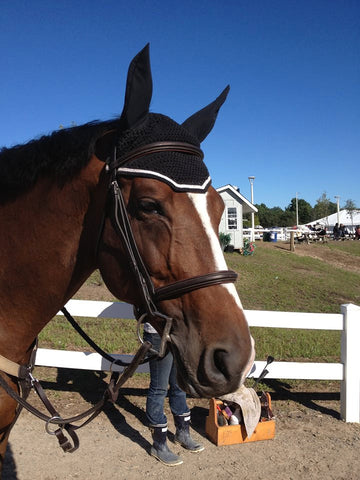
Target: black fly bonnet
(154, 146)
(162, 149)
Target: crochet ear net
(139, 92)
(138, 128)
(201, 123)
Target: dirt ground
(335, 258)
(311, 442)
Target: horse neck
(47, 252)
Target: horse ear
(138, 89)
(105, 144)
(201, 123)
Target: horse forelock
(62, 154)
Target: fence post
(292, 241)
(350, 358)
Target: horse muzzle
(220, 370)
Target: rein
(111, 394)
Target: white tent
(344, 218)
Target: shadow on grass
(285, 247)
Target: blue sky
(292, 116)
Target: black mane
(59, 155)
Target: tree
(305, 211)
(262, 214)
(247, 220)
(270, 217)
(287, 219)
(323, 207)
(351, 209)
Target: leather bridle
(150, 296)
(146, 309)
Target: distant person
(357, 232)
(336, 231)
(343, 231)
(320, 231)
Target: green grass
(112, 335)
(272, 279)
(352, 248)
(297, 345)
(276, 279)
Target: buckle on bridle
(165, 338)
(51, 422)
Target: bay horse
(61, 197)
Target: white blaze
(200, 201)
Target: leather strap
(12, 368)
(110, 394)
(156, 147)
(176, 289)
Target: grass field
(271, 279)
(275, 279)
(353, 248)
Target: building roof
(344, 218)
(248, 207)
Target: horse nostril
(221, 358)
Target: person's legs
(181, 413)
(159, 382)
(177, 397)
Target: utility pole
(297, 209)
(338, 208)
(252, 236)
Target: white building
(344, 217)
(236, 205)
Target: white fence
(348, 371)
(282, 233)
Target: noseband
(150, 296)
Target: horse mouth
(189, 382)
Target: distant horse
(64, 201)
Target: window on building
(232, 218)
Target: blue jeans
(162, 376)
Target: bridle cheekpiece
(150, 296)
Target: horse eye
(150, 206)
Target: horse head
(173, 216)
